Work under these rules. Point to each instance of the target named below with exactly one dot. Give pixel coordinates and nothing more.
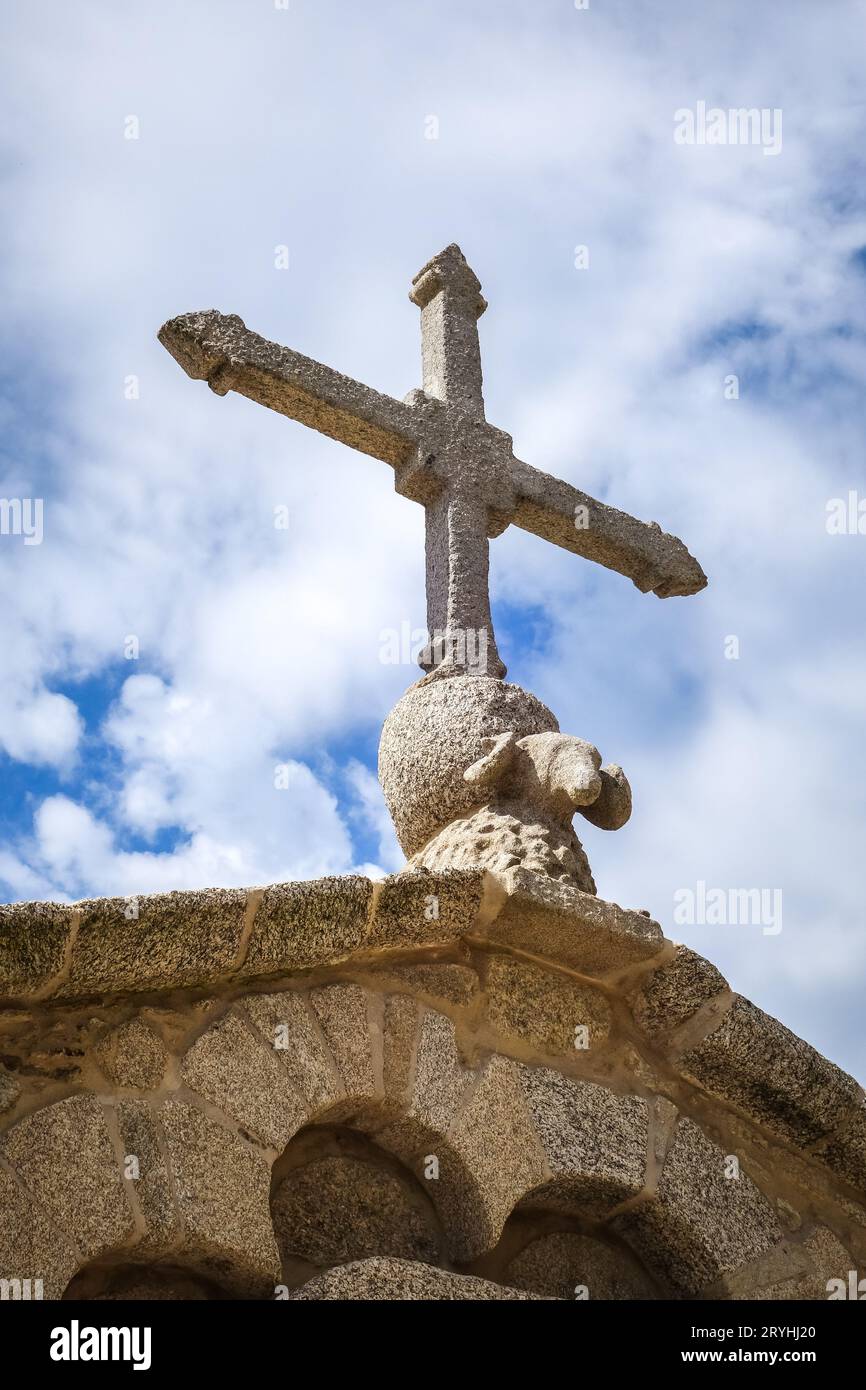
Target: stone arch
(338, 1197)
(558, 1240)
(558, 1257)
(63, 1188)
(386, 1066)
(507, 1135)
(705, 1223)
(390, 1074)
(199, 1201)
(634, 1192)
(466, 1204)
(642, 1179)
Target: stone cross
(445, 455)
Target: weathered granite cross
(445, 456)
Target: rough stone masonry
(472, 1080)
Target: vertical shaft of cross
(449, 296)
(458, 606)
(448, 293)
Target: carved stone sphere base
(433, 734)
(499, 837)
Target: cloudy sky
(156, 158)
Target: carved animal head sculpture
(557, 774)
(528, 789)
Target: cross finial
(448, 293)
(445, 455)
(448, 270)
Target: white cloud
(370, 804)
(40, 727)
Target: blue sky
(260, 127)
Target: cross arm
(220, 349)
(640, 550)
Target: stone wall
(437, 1086)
